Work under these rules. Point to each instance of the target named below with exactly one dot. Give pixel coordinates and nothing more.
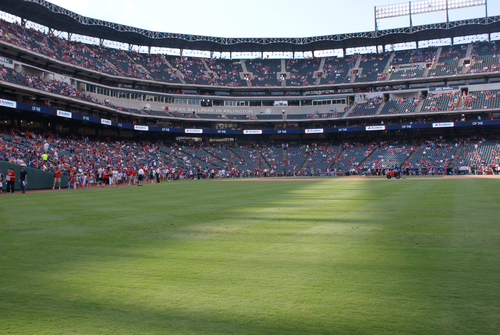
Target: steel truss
(183, 41)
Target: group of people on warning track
(10, 180)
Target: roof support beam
(49, 15)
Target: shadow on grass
(59, 312)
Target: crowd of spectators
(443, 101)
(484, 57)
(56, 87)
(449, 101)
(223, 72)
(83, 159)
(427, 55)
(409, 105)
(431, 157)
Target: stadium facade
(71, 87)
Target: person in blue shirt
(23, 178)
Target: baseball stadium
(168, 183)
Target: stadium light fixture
(423, 6)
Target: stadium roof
(58, 18)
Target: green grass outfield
(317, 256)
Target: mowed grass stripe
(213, 257)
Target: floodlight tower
(425, 6)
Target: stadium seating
(72, 151)
(297, 154)
(228, 71)
(411, 63)
(478, 154)
(400, 106)
(239, 117)
(265, 71)
(442, 102)
(298, 116)
(210, 116)
(409, 57)
(191, 70)
(159, 69)
(432, 157)
(481, 100)
(269, 116)
(446, 101)
(336, 70)
(366, 108)
(301, 71)
(387, 156)
(484, 57)
(250, 158)
(373, 68)
(322, 157)
(449, 61)
(352, 155)
(403, 73)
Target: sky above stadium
(257, 18)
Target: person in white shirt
(114, 178)
(158, 172)
(99, 176)
(141, 176)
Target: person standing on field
(114, 176)
(141, 175)
(23, 178)
(2, 179)
(129, 175)
(99, 176)
(57, 177)
(11, 178)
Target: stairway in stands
(457, 152)
(351, 74)
(436, 61)
(408, 159)
(467, 57)
(320, 71)
(379, 110)
(176, 71)
(142, 69)
(209, 72)
(112, 66)
(245, 71)
(334, 164)
(350, 109)
(420, 104)
(283, 71)
(368, 157)
(264, 161)
(388, 65)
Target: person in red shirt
(129, 175)
(105, 177)
(134, 175)
(11, 178)
(57, 178)
(72, 178)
